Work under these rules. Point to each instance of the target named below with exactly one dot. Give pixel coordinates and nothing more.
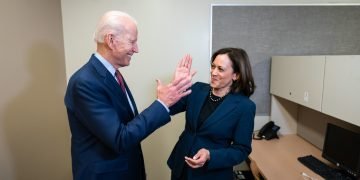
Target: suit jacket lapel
(200, 98)
(221, 111)
(131, 98)
(111, 83)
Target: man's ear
(109, 40)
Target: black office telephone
(268, 131)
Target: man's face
(125, 45)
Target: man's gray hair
(112, 22)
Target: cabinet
(298, 79)
(328, 84)
(341, 97)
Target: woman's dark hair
(241, 66)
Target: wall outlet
(306, 96)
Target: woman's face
(222, 73)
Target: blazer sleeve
(96, 111)
(178, 107)
(181, 105)
(240, 148)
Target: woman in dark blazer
(219, 121)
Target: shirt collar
(106, 63)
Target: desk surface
(277, 158)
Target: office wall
(167, 30)
(34, 137)
(265, 31)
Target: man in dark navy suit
(105, 125)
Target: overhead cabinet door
(298, 79)
(342, 88)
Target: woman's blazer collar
(228, 105)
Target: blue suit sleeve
(96, 111)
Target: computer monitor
(342, 147)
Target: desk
(276, 159)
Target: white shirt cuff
(164, 105)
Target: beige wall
(34, 135)
(167, 30)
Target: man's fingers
(181, 81)
(185, 93)
(158, 82)
(175, 82)
(183, 85)
(184, 89)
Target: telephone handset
(268, 131)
